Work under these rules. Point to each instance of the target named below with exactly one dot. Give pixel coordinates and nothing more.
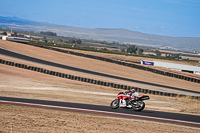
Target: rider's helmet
(132, 90)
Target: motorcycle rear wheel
(114, 104)
(138, 105)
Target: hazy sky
(162, 17)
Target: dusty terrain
(138, 59)
(99, 66)
(182, 56)
(128, 59)
(27, 119)
(18, 82)
(131, 58)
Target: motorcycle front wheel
(138, 105)
(114, 104)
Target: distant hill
(105, 34)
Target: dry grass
(16, 82)
(174, 104)
(99, 66)
(191, 105)
(27, 119)
(130, 58)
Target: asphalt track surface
(145, 114)
(36, 60)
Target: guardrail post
(59, 74)
(149, 91)
(118, 86)
(91, 81)
(75, 77)
(38, 70)
(121, 86)
(145, 91)
(84, 79)
(129, 88)
(52, 73)
(47, 71)
(157, 92)
(94, 81)
(153, 92)
(182, 95)
(3, 61)
(29, 67)
(79, 78)
(69, 76)
(166, 94)
(66, 75)
(173, 95)
(161, 93)
(88, 80)
(107, 83)
(7, 62)
(136, 89)
(192, 79)
(98, 82)
(139, 89)
(114, 85)
(125, 87)
(12, 63)
(111, 85)
(104, 83)
(62, 75)
(16, 64)
(25, 66)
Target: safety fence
(170, 74)
(92, 81)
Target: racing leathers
(131, 93)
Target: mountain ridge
(120, 35)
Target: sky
(178, 18)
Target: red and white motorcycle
(128, 101)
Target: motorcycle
(126, 101)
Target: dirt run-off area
(18, 119)
(18, 82)
(99, 66)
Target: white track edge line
(98, 111)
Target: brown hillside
(99, 66)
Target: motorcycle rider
(131, 93)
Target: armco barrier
(98, 82)
(119, 62)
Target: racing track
(29, 58)
(145, 114)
